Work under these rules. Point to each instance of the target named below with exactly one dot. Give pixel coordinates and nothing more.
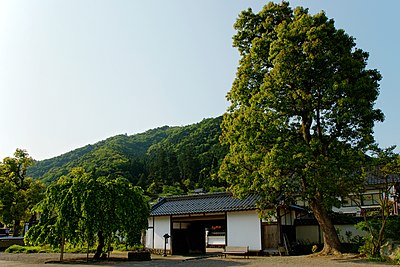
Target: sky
(76, 72)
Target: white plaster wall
(308, 234)
(244, 229)
(149, 238)
(161, 227)
(342, 229)
(149, 233)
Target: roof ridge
(201, 195)
(160, 201)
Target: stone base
(158, 251)
(6, 242)
(139, 256)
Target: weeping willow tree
(81, 209)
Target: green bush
(391, 231)
(15, 249)
(124, 247)
(78, 249)
(68, 249)
(397, 258)
(32, 249)
(392, 228)
(27, 249)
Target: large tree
(302, 112)
(18, 193)
(82, 209)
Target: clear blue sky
(75, 72)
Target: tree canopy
(18, 193)
(81, 209)
(302, 111)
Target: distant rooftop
(202, 203)
(375, 179)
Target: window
(370, 199)
(353, 202)
(180, 225)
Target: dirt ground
(118, 259)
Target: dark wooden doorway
(189, 237)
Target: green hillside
(169, 159)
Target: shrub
(391, 231)
(27, 249)
(78, 249)
(397, 257)
(124, 247)
(32, 249)
(15, 249)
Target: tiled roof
(375, 179)
(202, 203)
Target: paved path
(36, 260)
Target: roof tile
(202, 203)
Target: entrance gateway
(197, 222)
(194, 234)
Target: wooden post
(279, 222)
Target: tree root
(327, 251)
(330, 252)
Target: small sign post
(166, 236)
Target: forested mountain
(166, 160)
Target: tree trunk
(100, 246)
(17, 228)
(87, 253)
(62, 248)
(331, 239)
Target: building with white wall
(194, 222)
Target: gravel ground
(79, 260)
